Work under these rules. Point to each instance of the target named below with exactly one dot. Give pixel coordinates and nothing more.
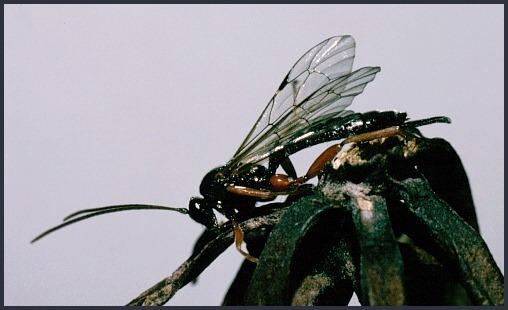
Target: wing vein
(319, 87)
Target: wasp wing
(317, 88)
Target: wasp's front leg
(239, 240)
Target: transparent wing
(318, 87)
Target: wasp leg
(288, 167)
(318, 164)
(286, 185)
(332, 151)
(378, 134)
(252, 192)
(238, 243)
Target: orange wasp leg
(325, 157)
(378, 134)
(252, 192)
(238, 243)
(332, 151)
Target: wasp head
(201, 211)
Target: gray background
(134, 104)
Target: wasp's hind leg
(332, 151)
(284, 183)
(378, 134)
(288, 167)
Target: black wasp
(308, 108)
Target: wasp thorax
(255, 176)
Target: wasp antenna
(118, 208)
(99, 211)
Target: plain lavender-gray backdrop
(134, 104)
